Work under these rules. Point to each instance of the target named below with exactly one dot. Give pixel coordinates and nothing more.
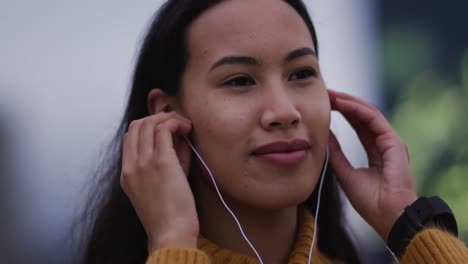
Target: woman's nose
(280, 112)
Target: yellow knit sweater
(429, 246)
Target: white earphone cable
(324, 170)
(234, 216)
(224, 203)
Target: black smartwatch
(413, 219)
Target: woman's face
(253, 79)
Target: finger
(130, 144)
(369, 125)
(146, 137)
(393, 148)
(335, 94)
(126, 151)
(369, 142)
(146, 140)
(162, 117)
(165, 133)
(363, 116)
(338, 161)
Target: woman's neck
(272, 232)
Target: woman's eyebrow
(299, 53)
(235, 60)
(252, 61)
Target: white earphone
(237, 221)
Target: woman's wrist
(422, 213)
(387, 220)
(173, 240)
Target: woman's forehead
(247, 26)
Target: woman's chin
(273, 198)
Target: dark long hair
(116, 234)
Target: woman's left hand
(380, 192)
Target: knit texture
(435, 246)
(299, 255)
(178, 256)
(430, 246)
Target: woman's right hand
(155, 165)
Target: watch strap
(413, 219)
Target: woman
(239, 81)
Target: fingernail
(340, 99)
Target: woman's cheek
(223, 122)
(316, 118)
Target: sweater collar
(299, 254)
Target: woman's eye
(240, 81)
(302, 74)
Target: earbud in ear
(167, 109)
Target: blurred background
(65, 70)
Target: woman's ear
(158, 101)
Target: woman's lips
(285, 158)
(283, 153)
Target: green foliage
(464, 71)
(406, 52)
(425, 119)
(452, 184)
(430, 114)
